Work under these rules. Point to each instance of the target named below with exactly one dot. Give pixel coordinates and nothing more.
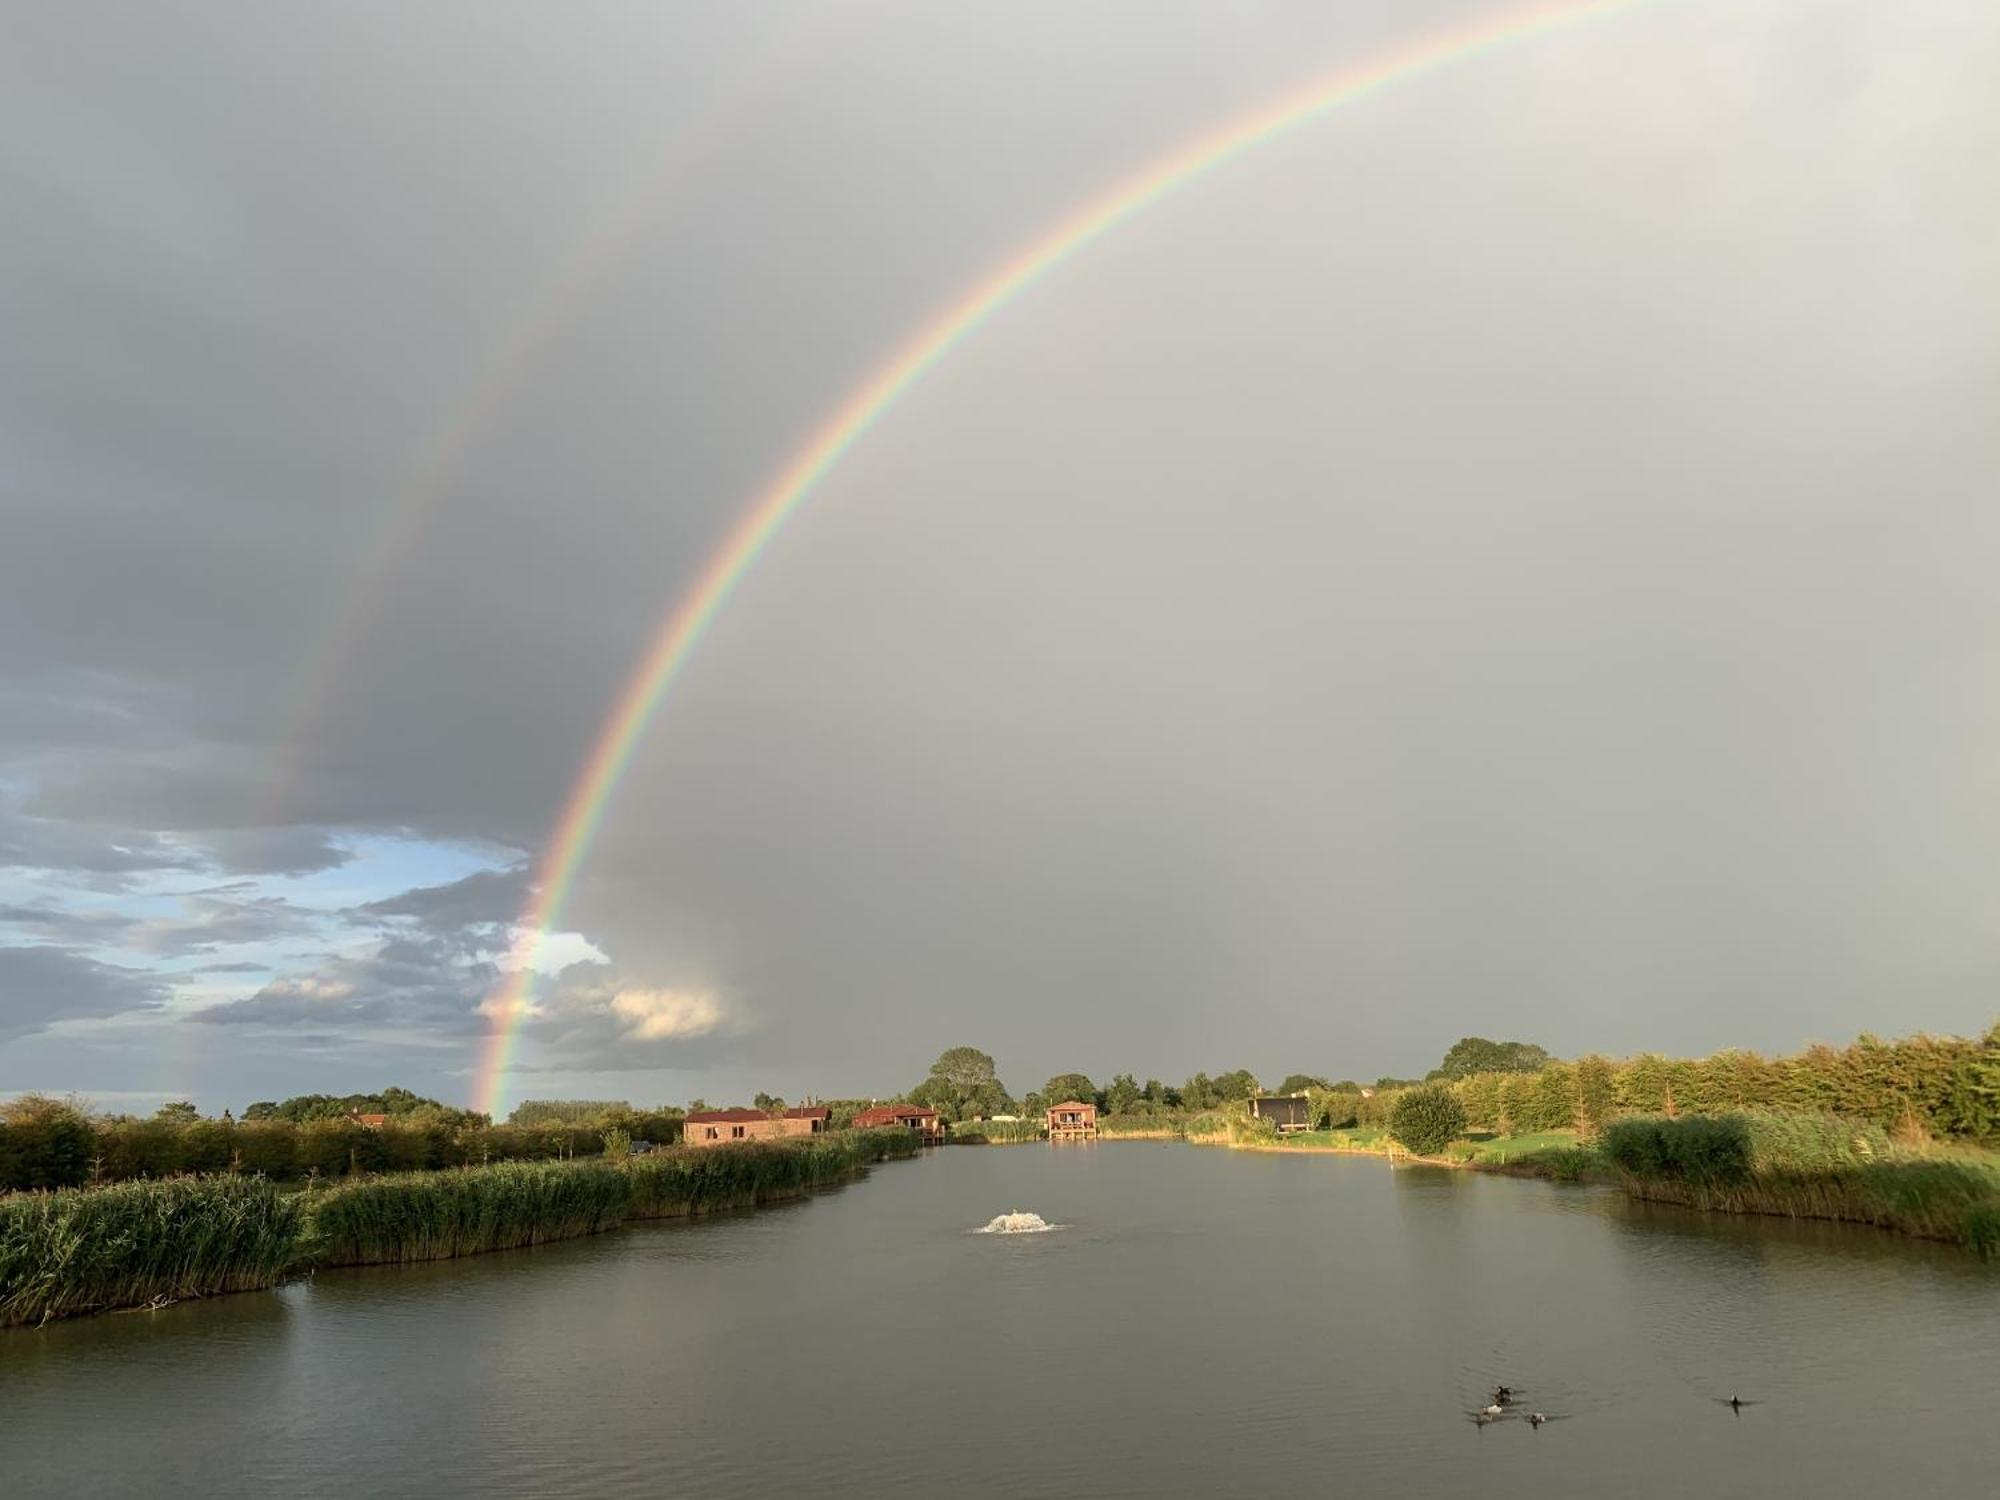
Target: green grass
(1353, 1139)
(1506, 1150)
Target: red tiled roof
(893, 1114)
(1072, 1104)
(745, 1116)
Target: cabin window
(711, 1133)
(736, 1132)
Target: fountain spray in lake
(1018, 1223)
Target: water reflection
(1206, 1321)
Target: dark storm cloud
(1516, 547)
(42, 985)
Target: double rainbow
(688, 620)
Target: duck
(1491, 1411)
(1536, 1418)
(1503, 1394)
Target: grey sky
(1514, 556)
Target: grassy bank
(1810, 1167)
(82, 1250)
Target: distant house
(1072, 1120)
(1289, 1112)
(915, 1117)
(719, 1127)
(366, 1122)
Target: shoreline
(1826, 1200)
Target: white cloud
(660, 1015)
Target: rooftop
(745, 1116)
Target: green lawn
(1514, 1147)
(1371, 1139)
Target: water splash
(1018, 1222)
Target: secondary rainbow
(688, 619)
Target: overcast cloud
(1513, 557)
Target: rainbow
(689, 618)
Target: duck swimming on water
(1535, 1418)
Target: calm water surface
(1207, 1321)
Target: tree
(1121, 1094)
(1427, 1119)
(178, 1112)
(263, 1109)
(1594, 1093)
(771, 1104)
(1240, 1084)
(1475, 1054)
(965, 1068)
(1299, 1083)
(963, 1085)
(1064, 1087)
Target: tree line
(50, 1143)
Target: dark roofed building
(1289, 1112)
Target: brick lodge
(1073, 1120)
(720, 1127)
(913, 1117)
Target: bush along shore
(1810, 1167)
(70, 1251)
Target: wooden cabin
(1073, 1120)
(719, 1127)
(914, 1117)
(1289, 1112)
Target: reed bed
(996, 1132)
(1808, 1167)
(676, 1184)
(136, 1244)
(440, 1215)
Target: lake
(1204, 1321)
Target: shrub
(44, 1143)
(1427, 1119)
